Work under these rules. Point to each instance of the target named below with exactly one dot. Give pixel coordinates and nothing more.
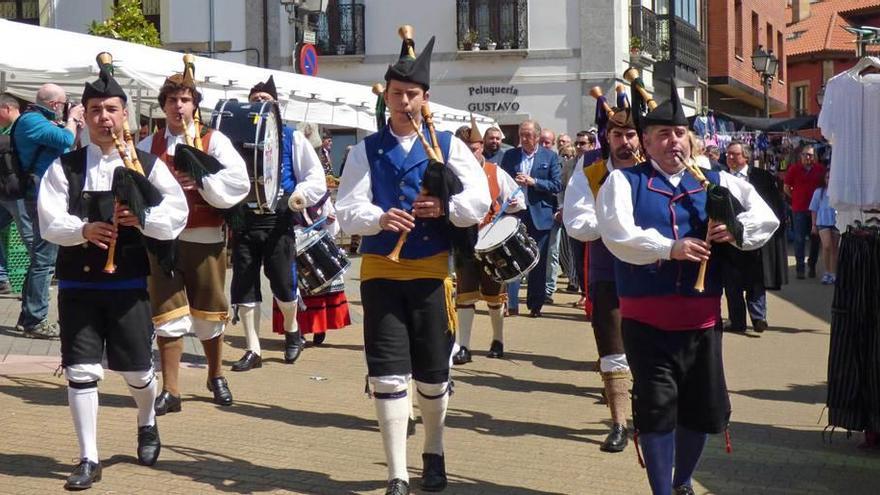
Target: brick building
(736, 28)
(819, 47)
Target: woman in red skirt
(326, 310)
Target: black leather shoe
(616, 440)
(759, 325)
(247, 362)
(148, 445)
(462, 356)
(84, 474)
(292, 347)
(729, 327)
(220, 387)
(166, 403)
(683, 490)
(318, 338)
(496, 350)
(811, 272)
(397, 487)
(433, 472)
(535, 313)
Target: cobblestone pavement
(529, 424)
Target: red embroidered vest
(201, 214)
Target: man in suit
(537, 171)
(753, 272)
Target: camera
(65, 114)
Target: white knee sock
(465, 323)
(144, 389)
(288, 309)
(84, 410)
(496, 315)
(250, 320)
(433, 401)
(393, 415)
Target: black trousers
(118, 320)
(272, 246)
(406, 328)
(678, 378)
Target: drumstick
(505, 205)
(316, 224)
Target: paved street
(526, 425)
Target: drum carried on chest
(318, 261)
(505, 249)
(255, 131)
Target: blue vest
(675, 212)
(288, 178)
(396, 181)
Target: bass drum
(255, 131)
(505, 249)
(318, 261)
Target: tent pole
(2, 81)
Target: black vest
(85, 262)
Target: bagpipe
(721, 206)
(129, 187)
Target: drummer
(473, 283)
(267, 239)
(191, 295)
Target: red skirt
(323, 312)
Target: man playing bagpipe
(267, 239)
(99, 209)
(187, 285)
(661, 219)
(579, 217)
(394, 189)
(473, 283)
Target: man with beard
(579, 217)
(493, 148)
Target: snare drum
(505, 249)
(255, 131)
(318, 261)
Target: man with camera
(45, 131)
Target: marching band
(159, 217)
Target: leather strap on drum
(491, 171)
(201, 214)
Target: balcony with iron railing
(675, 44)
(341, 30)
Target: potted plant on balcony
(470, 40)
(506, 45)
(341, 49)
(490, 44)
(635, 46)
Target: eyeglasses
(733, 153)
(582, 143)
(807, 155)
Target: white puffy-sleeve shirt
(635, 245)
(579, 207)
(224, 189)
(310, 180)
(164, 221)
(354, 202)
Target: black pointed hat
(412, 69)
(669, 112)
(265, 87)
(104, 87)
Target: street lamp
(765, 64)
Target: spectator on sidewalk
(801, 181)
(39, 141)
(9, 112)
(824, 221)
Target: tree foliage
(127, 24)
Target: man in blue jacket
(538, 172)
(39, 141)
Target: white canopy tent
(35, 55)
